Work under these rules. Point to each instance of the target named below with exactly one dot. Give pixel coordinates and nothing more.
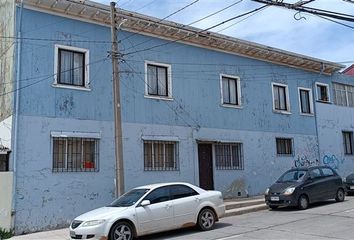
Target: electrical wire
(198, 32)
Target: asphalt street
(327, 220)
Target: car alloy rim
(207, 219)
(122, 233)
(303, 202)
(340, 194)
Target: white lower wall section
(261, 164)
(6, 180)
(47, 199)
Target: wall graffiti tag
(332, 161)
(303, 161)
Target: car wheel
(340, 195)
(206, 219)
(303, 202)
(273, 207)
(121, 231)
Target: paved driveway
(328, 220)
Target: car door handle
(168, 206)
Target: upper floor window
(305, 98)
(158, 80)
(280, 97)
(74, 154)
(71, 66)
(229, 156)
(322, 92)
(230, 90)
(284, 146)
(343, 95)
(348, 142)
(160, 156)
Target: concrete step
(243, 210)
(243, 203)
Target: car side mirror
(145, 203)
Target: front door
(205, 157)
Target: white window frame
(169, 81)
(86, 52)
(310, 101)
(328, 93)
(287, 98)
(238, 89)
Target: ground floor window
(229, 156)
(160, 156)
(284, 146)
(74, 154)
(348, 142)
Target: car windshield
(129, 198)
(292, 176)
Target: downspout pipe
(16, 106)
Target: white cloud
(273, 26)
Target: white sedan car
(150, 209)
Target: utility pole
(116, 105)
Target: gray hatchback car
(302, 186)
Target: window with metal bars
(161, 156)
(348, 142)
(284, 146)
(229, 156)
(74, 154)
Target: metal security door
(205, 158)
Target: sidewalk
(233, 207)
(61, 234)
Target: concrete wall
(262, 165)
(7, 46)
(47, 199)
(6, 180)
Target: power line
(197, 32)
(212, 14)
(314, 11)
(175, 12)
(48, 77)
(144, 6)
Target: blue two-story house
(197, 106)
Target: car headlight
(266, 191)
(92, 223)
(344, 179)
(289, 191)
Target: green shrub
(5, 234)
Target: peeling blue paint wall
(332, 121)
(47, 199)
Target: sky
(273, 26)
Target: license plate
(351, 187)
(274, 198)
(72, 234)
